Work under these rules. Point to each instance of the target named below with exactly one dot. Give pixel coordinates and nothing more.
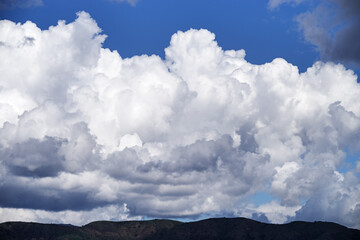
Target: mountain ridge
(161, 229)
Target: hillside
(217, 228)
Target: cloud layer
(83, 130)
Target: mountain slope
(217, 228)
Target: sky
(122, 110)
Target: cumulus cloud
(10, 4)
(83, 130)
(333, 27)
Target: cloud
(334, 203)
(131, 2)
(10, 4)
(83, 130)
(332, 26)
(275, 3)
(17, 158)
(110, 213)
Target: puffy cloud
(85, 131)
(332, 26)
(334, 202)
(277, 213)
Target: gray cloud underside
(86, 134)
(333, 27)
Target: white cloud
(84, 129)
(277, 213)
(275, 3)
(79, 218)
(131, 2)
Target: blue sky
(167, 118)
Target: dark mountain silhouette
(209, 229)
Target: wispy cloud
(10, 4)
(276, 3)
(131, 2)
